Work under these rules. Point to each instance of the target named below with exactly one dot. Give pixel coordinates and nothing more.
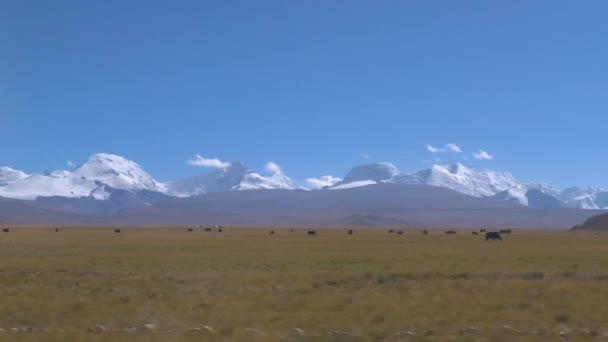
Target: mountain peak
(237, 176)
(117, 172)
(8, 175)
(478, 183)
(457, 167)
(376, 172)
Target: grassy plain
(244, 285)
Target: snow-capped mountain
(588, 198)
(516, 194)
(103, 172)
(8, 175)
(473, 182)
(376, 172)
(104, 176)
(478, 183)
(363, 175)
(88, 180)
(116, 172)
(232, 178)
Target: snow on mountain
(8, 175)
(102, 175)
(367, 174)
(39, 185)
(100, 170)
(116, 172)
(354, 184)
(57, 174)
(253, 181)
(544, 188)
(376, 172)
(232, 178)
(220, 179)
(516, 194)
(582, 202)
(322, 182)
(540, 200)
(478, 183)
(588, 198)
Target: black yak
(493, 236)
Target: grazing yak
(208, 229)
(425, 232)
(400, 232)
(6, 230)
(475, 233)
(482, 230)
(505, 231)
(350, 232)
(391, 231)
(116, 231)
(312, 232)
(450, 232)
(56, 230)
(272, 232)
(190, 229)
(219, 230)
(493, 236)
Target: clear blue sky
(310, 85)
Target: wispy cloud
(446, 148)
(433, 149)
(321, 182)
(199, 160)
(70, 163)
(365, 156)
(453, 148)
(273, 168)
(482, 155)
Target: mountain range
(111, 189)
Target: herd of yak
(490, 236)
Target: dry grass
(248, 285)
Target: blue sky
(310, 85)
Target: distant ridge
(378, 205)
(110, 189)
(597, 222)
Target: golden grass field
(244, 285)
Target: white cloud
(273, 168)
(365, 156)
(70, 163)
(453, 147)
(433, 149)
(321, 182)
(208, 162)
(446, 148)
(483, 155)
